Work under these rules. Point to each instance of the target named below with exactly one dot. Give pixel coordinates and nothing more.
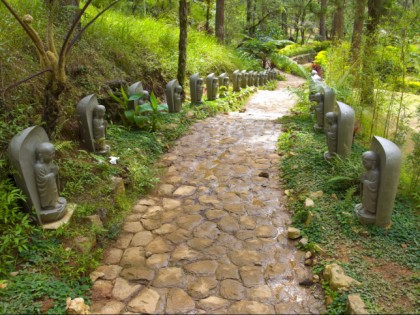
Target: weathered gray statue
(31, 155)
(332, 135)
(250, 81)
(339, 131)
(137, 88)
(255, 78)
(236, 81)
(92, 125)
(223, 81)
(325, 105)
(174, 96)
(379, 182)
(196, 89)
(244, 79)
(260, 78)
(212, 84)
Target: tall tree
(338, 21)
(208, 15)
(53, 62)
(220, 20)
(359, 18)
(322, 15)
(183, 35)
(249, 16)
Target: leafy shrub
(15, 225)
(413, 86)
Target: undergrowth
(384, 260)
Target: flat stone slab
(245, 257)
(203, 267)
(123, 289)
(145, 302)
(138, 273)
(169, 277)
(232, 290)
(184, 191)
(251, 307)
(179, 302)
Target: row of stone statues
(241, 79)
(382, 162)
(31, 153)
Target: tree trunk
(207, 27)
(322, 14)
(359, 18)
(284, 23)
(183, 35)
(220, 20)
(375, 12)
(338, 21)
(254, 18)
(249, 22)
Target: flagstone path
(211, 237)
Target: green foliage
(259, 48)
(286, 64)
(297, 49)
(29, 293)
(334, 225)
(15, 225)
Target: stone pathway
(211, 237)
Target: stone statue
(137, 88)
(212, 83)
(223, 81)
(46, 178)
(196, 89)
(236, 81)
(31, 156)
(99, 129)
(260, 78)
(255, 78)
(331, 135)
(325, 105)
(92, 125)
(244, 79)
(379, 182)
(174, 96)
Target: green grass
(384, 260)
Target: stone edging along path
(211, 237)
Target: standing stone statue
(31, 156)
(174, 96)
(339, 131)
(250, 81)
(212, 83)
(223, 81)
(196, 89)
(260, 78)
(325, 105)
(137, 88)
(379, 183)
(92, 125)
(332, 131)
(244, 79)
(236, 81)
(255, 78)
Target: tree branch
(3, 91)
(265, 17)
(63, 50)
(79, 34)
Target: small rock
(170, 204)
(315, 278)
(123, 289)
(303, 241)
(179, 302)
(76, 306)
(308, 254)
(13, 273)
(168, 277)
(293, 233)
(334, 197)
(213, 303)
(337, 279)
(317, 194)
(203, 267)
(145, 302)
(95, 221)
(184, 191)
(138, 273)
(355, 305)
(250, 307)
(84, 244)
(232, 290)
(308, 262)
(309, 203)
(141, 238)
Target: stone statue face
(99, 111)
(45, 152)
(370, 159)
(331, 118)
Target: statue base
(363, 216)
(64, 220)
(103, 151)
(52, 215)
(329, 156)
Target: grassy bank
(384, 260)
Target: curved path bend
(211, 237)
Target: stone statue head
(45, 152)
(331, 117)
(99, 111)
(370, 160)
